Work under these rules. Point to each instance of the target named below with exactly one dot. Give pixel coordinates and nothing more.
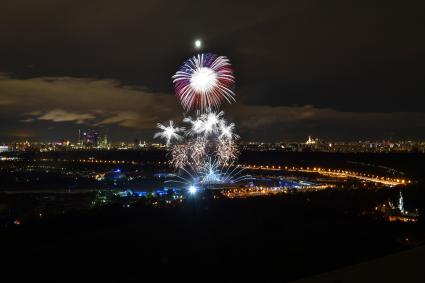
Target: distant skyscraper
(401, 203)
(90, 138)
(80, 142)
(104, 143)
(136, 143)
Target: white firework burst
(210, 122)
(206, 124)
(227, 131)
(196, 126)
(169, 132)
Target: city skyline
(103, 133)
(90, 140)
(350, 71)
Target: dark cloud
(71, 103)
(359, 65)
(59, 115)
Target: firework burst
(210, 174)
(211, 122)
(209, 135)
(204, 81)
(169, 132)
(199, 152)
(196, 126)
(227, 131)
(214, 173)
(206, 150)
(179, 156)
(226, 152)
(192, 153)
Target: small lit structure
(4, 148)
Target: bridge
(336, 173)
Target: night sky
(341, 70)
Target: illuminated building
(310, 141)
(104, 143)
(90, 138)
(401, 204)
(397, 213)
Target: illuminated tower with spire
(401, 203)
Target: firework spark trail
(198, 152)
(211, 173)
(192, 152)
(226, 152)
(179, 155)
(214, 173)
(192, 179)
(204, 81)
